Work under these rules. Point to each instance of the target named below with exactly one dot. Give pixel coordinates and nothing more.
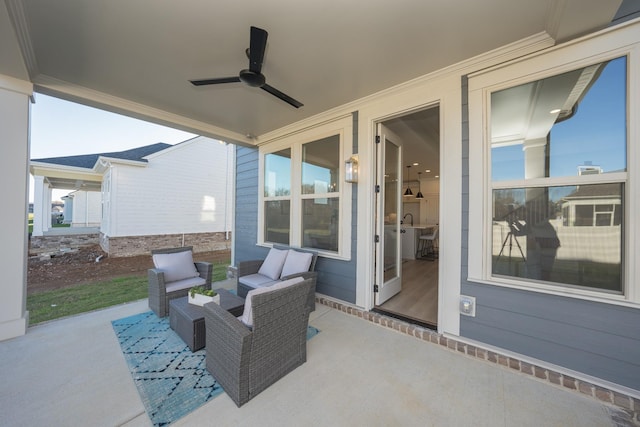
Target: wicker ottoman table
(188, 319)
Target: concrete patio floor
(70, 372)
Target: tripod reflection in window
(516, 228)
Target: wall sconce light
(351, 169)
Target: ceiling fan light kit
(253, 76)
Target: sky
(61, 128)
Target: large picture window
(558, 158)
(305, 201)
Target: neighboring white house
(83, 208)
(154, 196)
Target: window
(277, 196)
(305, 201)
(320, 189)
(553, 152)
(565, 128)
(559, 234)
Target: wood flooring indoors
(418, 299)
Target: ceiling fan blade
(286, 98)
(204, 82)
(256, 48)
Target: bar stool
(427, 244)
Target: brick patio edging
(629, 404)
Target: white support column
(46, 207)
(534, 158)
(14, 168)
(38, 202)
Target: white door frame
(444, 91)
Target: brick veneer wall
(142, 245)
(623, 409)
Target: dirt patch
(73, 268)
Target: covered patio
(72, 372)
(507, 350)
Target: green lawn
(82, 298)
(86, 297)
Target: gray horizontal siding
(598, 339)
(336, 278)
(246, 206)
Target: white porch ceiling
(136, 57)
(67, 178)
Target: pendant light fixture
(408, 192)
(419, 195)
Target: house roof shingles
(87, 161)
(595, 190)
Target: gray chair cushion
(296, 262)
(176, 266)
(185, 284)
(256, 280)
(272, 265)
(247, 314)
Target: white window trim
(609, 44)
(342, 127)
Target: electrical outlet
(468, 305)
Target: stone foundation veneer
(624, 409)
(142, 245)
(39, 244)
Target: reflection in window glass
(320, 223)
(277, 173)
(570, 235)
(566, 125)
(321, 166)
(276, 218)
(507, 162)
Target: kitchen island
(410, 235)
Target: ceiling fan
(252, 76)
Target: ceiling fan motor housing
(252, 78)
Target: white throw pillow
(176, 266)
(296, 262)
(272, 264)
(247, 314)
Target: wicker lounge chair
(174, 275)
(245, 361)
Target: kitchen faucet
(406, 215)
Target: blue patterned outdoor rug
(172, 381)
